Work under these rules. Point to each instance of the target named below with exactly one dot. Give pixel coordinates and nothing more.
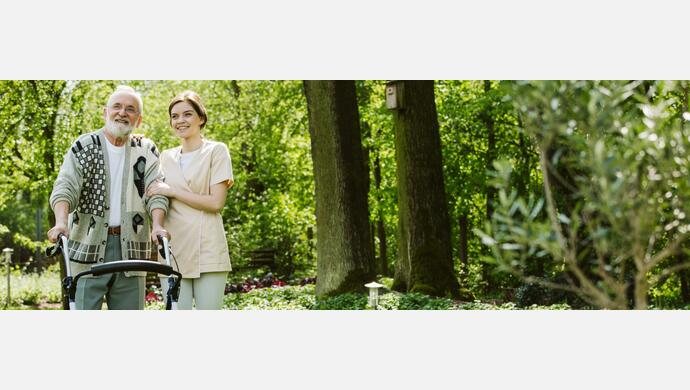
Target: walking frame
(69, 283)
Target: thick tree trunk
(425, 261)
(343, 244)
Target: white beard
(118, 130)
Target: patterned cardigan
(84, 181)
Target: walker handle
(123, 266)
(165, 252)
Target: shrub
(416, 301)
(348, 301)
(273, 298)
(31, 289)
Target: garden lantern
(373, 293)
(7, 252)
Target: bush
(530, 294)
(31, 289)
(477, 305)
(413, 301)
(273, 298)
(349, 301)
(615, 204)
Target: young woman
(198, 175)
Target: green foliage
(272, 298)
(477, 305)
(302, 298)
(465, 109)
(26, 242)
(379, 145)
(413, 301)
(617, 198)
(666, 295)
(154, 305)
(624, 145)
(386, 282)
(349, 301)
(262, 122)
(31, 289)
(42, 290)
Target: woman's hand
(160, 188)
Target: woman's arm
(212, 203)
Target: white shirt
(116, 163)
(185, 158)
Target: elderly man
(101, 187)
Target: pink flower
(151, 296)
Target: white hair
(127, 90)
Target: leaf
(486, 239)
(537, 209)
(564, 219)
(511, 246)
(599, 150)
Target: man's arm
(65, 194)
(158, 221)
(152, 174)
(61, 210)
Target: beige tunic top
(198, 240)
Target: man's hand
(158, 220)
(61, 209)
(159, 231)
(55, 231)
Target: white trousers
(205, 292)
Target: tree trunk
(425, 261)
(344, 256)
(382, 260)
(372, 234)
(524, 168)
(383, 248)
(463, 238)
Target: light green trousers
(121, 292)
(205, 292)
